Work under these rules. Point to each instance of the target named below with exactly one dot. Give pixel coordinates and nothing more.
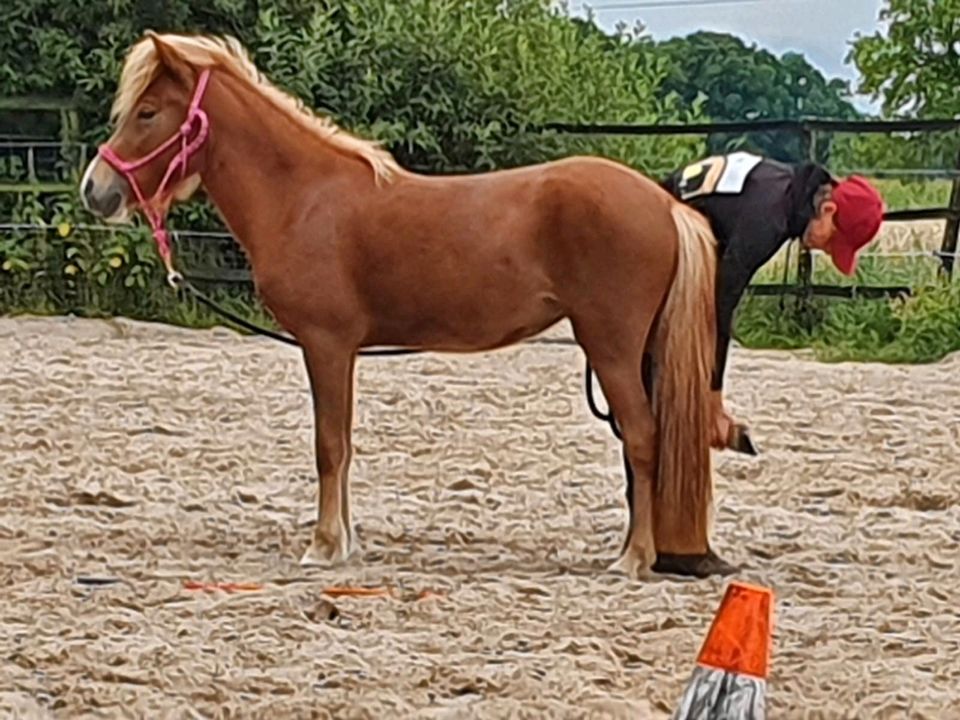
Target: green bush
(922, 328)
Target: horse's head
(155, 153)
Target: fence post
(951, 229)
(805, 258)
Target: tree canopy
(913, 67)
(447, 84)
(740, 82)
(914, 64)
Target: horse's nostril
(88, 188)
(111, 203)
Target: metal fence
(811, 130)
(40, 162)
(62, 160)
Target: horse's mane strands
(142, 65)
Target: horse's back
(604, 213)
(485, 259)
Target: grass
(909, 195)
(922, 328)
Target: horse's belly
(478, 308)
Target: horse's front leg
(330, 367)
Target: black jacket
(775, 205)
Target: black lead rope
(595, 409)
(233, 317)
(203, 299)
(612, 422)
(182, 283)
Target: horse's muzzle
(103, 192)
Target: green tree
(914, 64)
(448, 84)
(459, 86)
(742, 83)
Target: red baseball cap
(859, 215)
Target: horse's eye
(146, 114)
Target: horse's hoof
(741, 442)
(698, 566)
(325, 551)
(633, 564)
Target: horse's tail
(684, 359)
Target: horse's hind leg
(618, 369)
(647, 377)
(330, 368)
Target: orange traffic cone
(730, 680)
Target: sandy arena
(152, 456)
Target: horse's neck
(260, 164)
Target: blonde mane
(142, 64)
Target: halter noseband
(197, 121)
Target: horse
(348, 250)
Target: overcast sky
(820, 29)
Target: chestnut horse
(348, 250)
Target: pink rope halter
(197, 125)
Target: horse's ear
(171, 61)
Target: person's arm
(756, 240)
(733, 276)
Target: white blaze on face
(87, 174)
(105, 180)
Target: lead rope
(179, 282)
(612, 422)
(595, 409)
